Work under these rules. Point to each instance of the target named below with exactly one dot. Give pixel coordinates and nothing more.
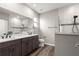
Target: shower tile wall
(66, 16)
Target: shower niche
(71, 26)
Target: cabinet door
(15, 50)
(29, 44)
(26, 46)
(11, 48)
(30, 47)
(8, 51)
(5, 51)
(35, 42)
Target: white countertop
(15, 37)
(60, 33)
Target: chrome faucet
(6, 35)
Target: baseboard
(50, 44)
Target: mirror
(20, 24)
(13, 22)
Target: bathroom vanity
(67, 44)
(23, 39)
(19, 46)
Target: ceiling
(45, 7)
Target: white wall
(47, 22)
(66, 16)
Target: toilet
(41, 42)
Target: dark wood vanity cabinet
(35, 42)
(10, 48)
(29, 44)
(19, 47)
(26, 46)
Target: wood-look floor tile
(44, 51)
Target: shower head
(75, 16)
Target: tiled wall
(66, 17)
